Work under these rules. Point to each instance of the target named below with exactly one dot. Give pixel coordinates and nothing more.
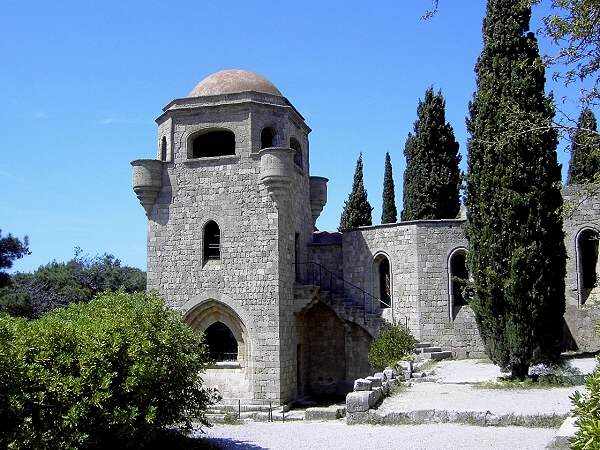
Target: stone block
(375, 382)
(390, 373)
(362, 384)
(358, 401)
(406, 366)
(381, 376)
(375, 396)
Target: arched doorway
(458, 275)
(228, 344)
(382, 280)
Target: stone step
(422, 344)
(430, 349)
(437, 356)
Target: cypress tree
(357, 210)
(516, 249)
(432, 176)
(584, 165)
(389, 213)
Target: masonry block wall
(582, 315)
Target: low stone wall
(368, 393)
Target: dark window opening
(163, 149)
(384, 281)
(212, 241)
(295, 145)
(267, 138)
(588, 260)
(459, 277)
(214, 143)
(222, 345)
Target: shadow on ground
(232, 444)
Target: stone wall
(399, 244)
(582, 205)
(452, 330)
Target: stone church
(288, 311)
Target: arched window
(267, 138)
(382, 280)
(212, 241)
(221, 343)
(587, 263)
(163, 149)
(213, 143)
(295, 145)
(458, 275)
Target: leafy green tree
(11, 248)
(516, 242)
(56, 285)
(389, 212)
(432, 176)
(584, 166)
(357, 209)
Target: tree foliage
(389, 212)
(587, 413)
(392, 344)
(357, 209)
(432, 176)
(513, 198)
(11, 248)
(111, 373)
(584, 166)
(576, 31)
(59, 284)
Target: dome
(233, 81)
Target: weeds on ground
(228, 419)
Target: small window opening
(267, 138)
(221, 343)
(163, 149)
(295, 145)
(214, 143)
(587, 247)
(212, 241)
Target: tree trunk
(519, 371)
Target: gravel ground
(337, 435)
(476, 370)
(460, 397)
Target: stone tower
(231, 208)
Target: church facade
(288, 311)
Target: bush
(114, 372)
(393, 343)
(587, 412)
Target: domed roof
(233, 81)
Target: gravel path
(337, 435)
(476, 370)
(460, 397)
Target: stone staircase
(428, 351)
(345, 307)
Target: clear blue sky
(82, 82)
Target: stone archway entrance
(228, 345)
(331, 354)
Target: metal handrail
(332, 276)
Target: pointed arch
(458, 274)
(586, 251)
(211, 241)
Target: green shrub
(113, 372)
(587, 412)
(393, 343)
